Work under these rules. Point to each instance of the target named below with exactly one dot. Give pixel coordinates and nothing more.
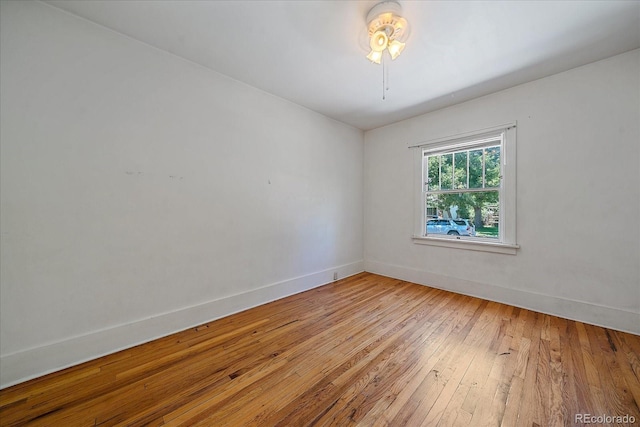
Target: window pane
(475, 169)
(473, 214)
(433, 174)
(492, 167)
(431, 208)
(446, 172)
(460, 169)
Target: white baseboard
(599, 315)
(31, 363)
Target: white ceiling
(311, 52)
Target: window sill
(473, 245)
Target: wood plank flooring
(368, 351)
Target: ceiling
(312, 53)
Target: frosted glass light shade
(395, 48)
(379, 41)
(375, 56)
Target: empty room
(318, 212)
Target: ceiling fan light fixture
(387, 29)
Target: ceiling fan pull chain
(386, 76)
(383, 66)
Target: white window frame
(506, 243)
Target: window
(466, 193)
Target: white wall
(142, 194)
(578, 197)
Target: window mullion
(439, 172)
(453, 170)
(484, 152)
(468, 170)
(463, 190)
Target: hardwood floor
(367, 350)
